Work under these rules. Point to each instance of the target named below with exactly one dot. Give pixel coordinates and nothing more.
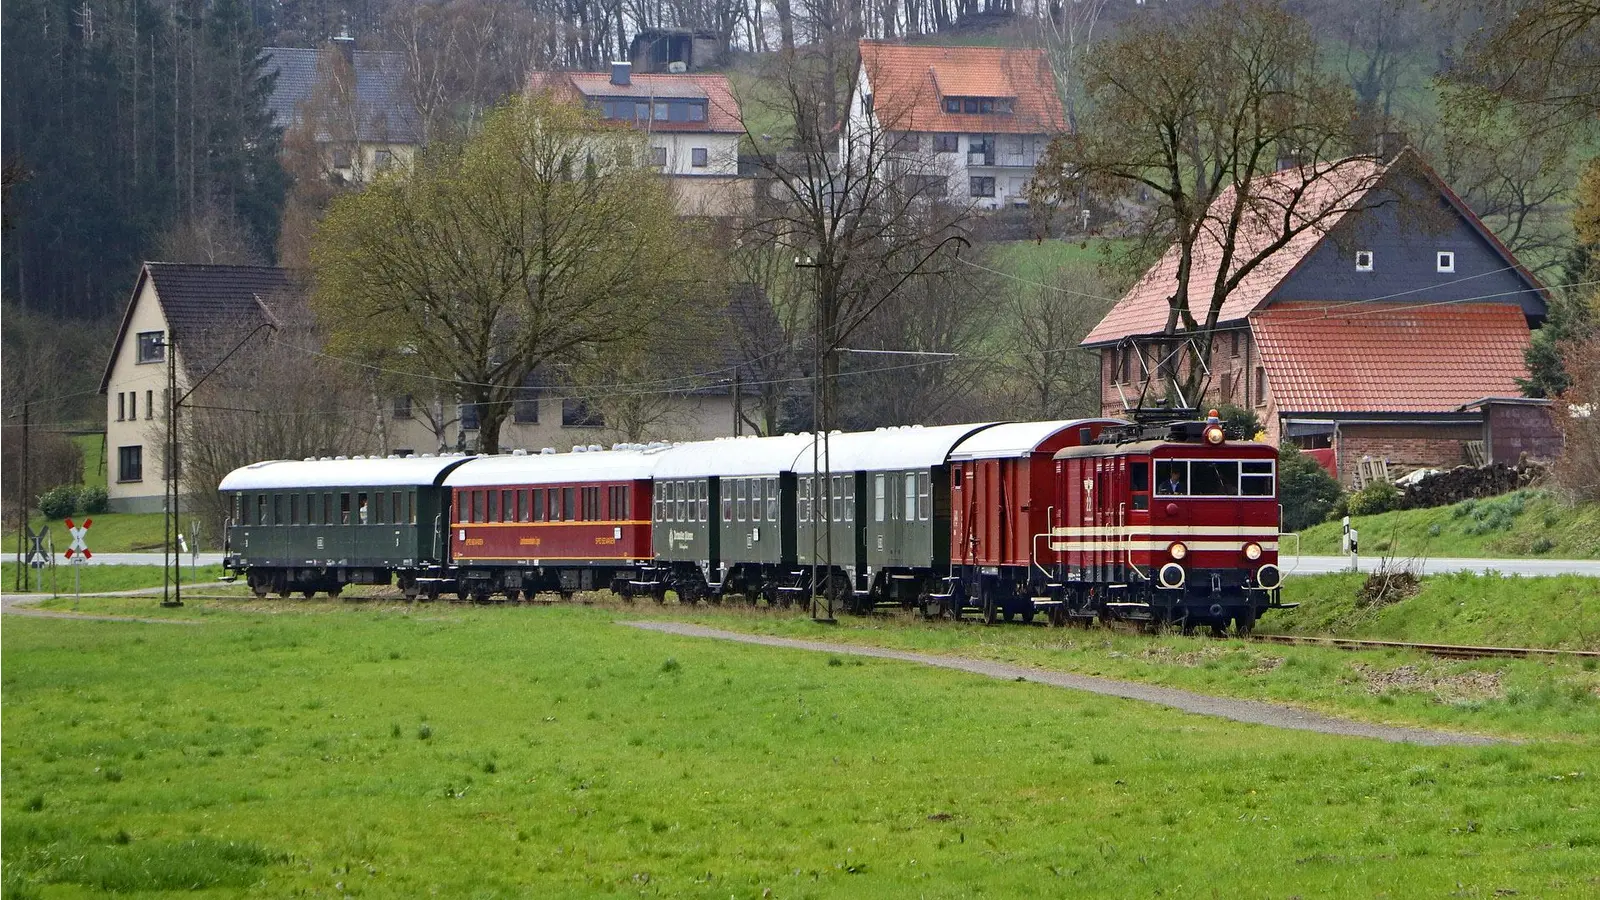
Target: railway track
(1445, 651)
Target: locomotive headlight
(1252, 551)
(1268, 576)
(1214, 434)
(1177, 550)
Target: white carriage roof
(374, 471)
(901, 447)
(556, 468)
(735, 457)
(1015, 439)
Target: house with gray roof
(357, 102)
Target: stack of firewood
(1467, 483)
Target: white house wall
(144, 384)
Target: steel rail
(1447, 651)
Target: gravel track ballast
(1253, 712)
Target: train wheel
(259, 588)
(991, 610)
(1057, 615)
(308, 594)
(1027, 613)
(1219, 631)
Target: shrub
(59, 502)
(1377, 497)
(1238, 423)
(1306, 490)
(93, 500)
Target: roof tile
(1390, 357)
(908, 82)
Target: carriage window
(1210, 478)
(311, 510)
(394, 508)
(591, 504)
(411, 507)
(741, 497)
(758, 489)
(878, 496)
(849, 498)
(804, 495)
(479, 502)
(538, 505)
(344, 507)
(1172, 477)
(924, 504)
(261, 509)
(278, 517)
(727, 501)
(772, 499)
(377, 508)
(361, 507)
(1139, 484)
(1255, 479)
(569, 506)
(508, 512)
(294, 509)
(494, 506)
(617, 502)
(327, 509)
(911, 496)
(238, 507)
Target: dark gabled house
(358, 101)
(1381, 333)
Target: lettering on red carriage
(605, 539)
(474, 542)
(529, 542)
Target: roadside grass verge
(545, 751)
(1521, 524)
(111, 533)
(96, 578)
(1561, 612)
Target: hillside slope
(1527, 523)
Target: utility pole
(821, 464)
(27, 496)
(738, 410)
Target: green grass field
(374, 750)
(1520, 524)
(110, 533)
(106, 578)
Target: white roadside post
(1350, 541)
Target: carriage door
(1092, 517)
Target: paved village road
(1251, 711)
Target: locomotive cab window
(1172, 477)
(1210, 478)
(1255, 479)
(1139, 484)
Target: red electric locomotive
(1167, 524)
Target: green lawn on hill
(1527, 523)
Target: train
(1164, 522)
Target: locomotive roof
(734, 457)
(1016, 438)
(1212, 451)
(556, 468)
(902, 447)
(284, 474)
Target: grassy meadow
(367, 749)
(1526, 523)
(93, 577)
(110, 533)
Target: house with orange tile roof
(1380, 333)
(977, 118)
(691, 122)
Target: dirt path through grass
(1250, 711)
(22, 605)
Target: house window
(1235, 350)
(658, 156)
(150, 404)
(982, 186)
(661, 111)
(952, 104)
(1227, 387)
(130, 463)
(697, 157)
(906, 142)
(697, 112)
(971, 105)
(341, 159)
(382, 159)
(576, 414)
(866, 103)
(468, 413)
(1261, 386)
(641, 112)
(152, 347)
(946, 143)
(1363, 260)
(1019, 145)
(1445, 261)
(525, 409)
(122, 406)
(402, 406)
(133, 404)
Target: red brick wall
(1406, 446)
(1516, 428)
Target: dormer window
(1445, 261)
(979, 106)
(1363, 260)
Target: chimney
(347, 47)
(621, 74)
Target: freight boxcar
(552, 522)
(320, 524)
(724, 518)
(1003, 485)
(882, 514)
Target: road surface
(1319, 565)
